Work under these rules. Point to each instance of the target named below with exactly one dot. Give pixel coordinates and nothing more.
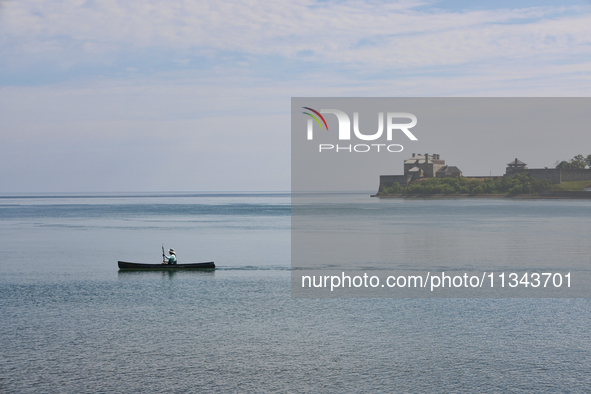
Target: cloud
(360, 36)
(96, 94)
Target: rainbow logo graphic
(315, 118)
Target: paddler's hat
(171, 251)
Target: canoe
(160, 267)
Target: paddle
(163, 259)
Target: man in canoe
(169, 259)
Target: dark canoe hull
(165, 267)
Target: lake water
(522, 248)
(72, 323)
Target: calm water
(355, 234)
(71, 323)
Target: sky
(178, 95)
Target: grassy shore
(550, 195)
(577, 186)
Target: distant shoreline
(541, 196)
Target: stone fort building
(422, 166)
(431, 166)
(554, 175)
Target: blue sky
(99, 96)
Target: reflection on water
(125, 274)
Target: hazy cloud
(363, 35)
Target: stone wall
(575, 175)
(388, 180)
(514, 170)
(553, 175)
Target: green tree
(564, 165)
(516, 189)
(477, 190)
(527, 188)
(395, 188)
(578, 162)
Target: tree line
(521, 183)
(576, 163)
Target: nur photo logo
(392, 120)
